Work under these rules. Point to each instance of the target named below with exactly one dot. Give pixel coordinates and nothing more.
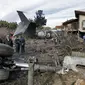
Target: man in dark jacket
(22, 44)
(17, 44)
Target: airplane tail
(22, 16)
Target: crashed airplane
(29, 28)
(26, 26)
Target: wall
(71, 27)
(4, 31)
(81, 18)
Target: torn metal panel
(21, 28)
(19, 64)
(25, 66)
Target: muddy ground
(47, 51)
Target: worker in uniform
(22, 44)
(17, 44)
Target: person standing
(84, 37)
(17, 44)
(9, 41)
(22, 44)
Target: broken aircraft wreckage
(8, 63)
(29, 28)
(26, 26)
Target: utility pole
(31, 74)
(31, 71)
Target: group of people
(18, 42)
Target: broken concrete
(70, 62)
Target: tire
(4, 74)
(5, 50)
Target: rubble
(80, 82)
(52, 54)
(70, 62)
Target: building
(80, 15)
(76, 25)
(59, 27)
(71, 26)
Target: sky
(56, 11)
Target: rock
(80, 82)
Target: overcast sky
(56, 11)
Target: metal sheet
(22, 27)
